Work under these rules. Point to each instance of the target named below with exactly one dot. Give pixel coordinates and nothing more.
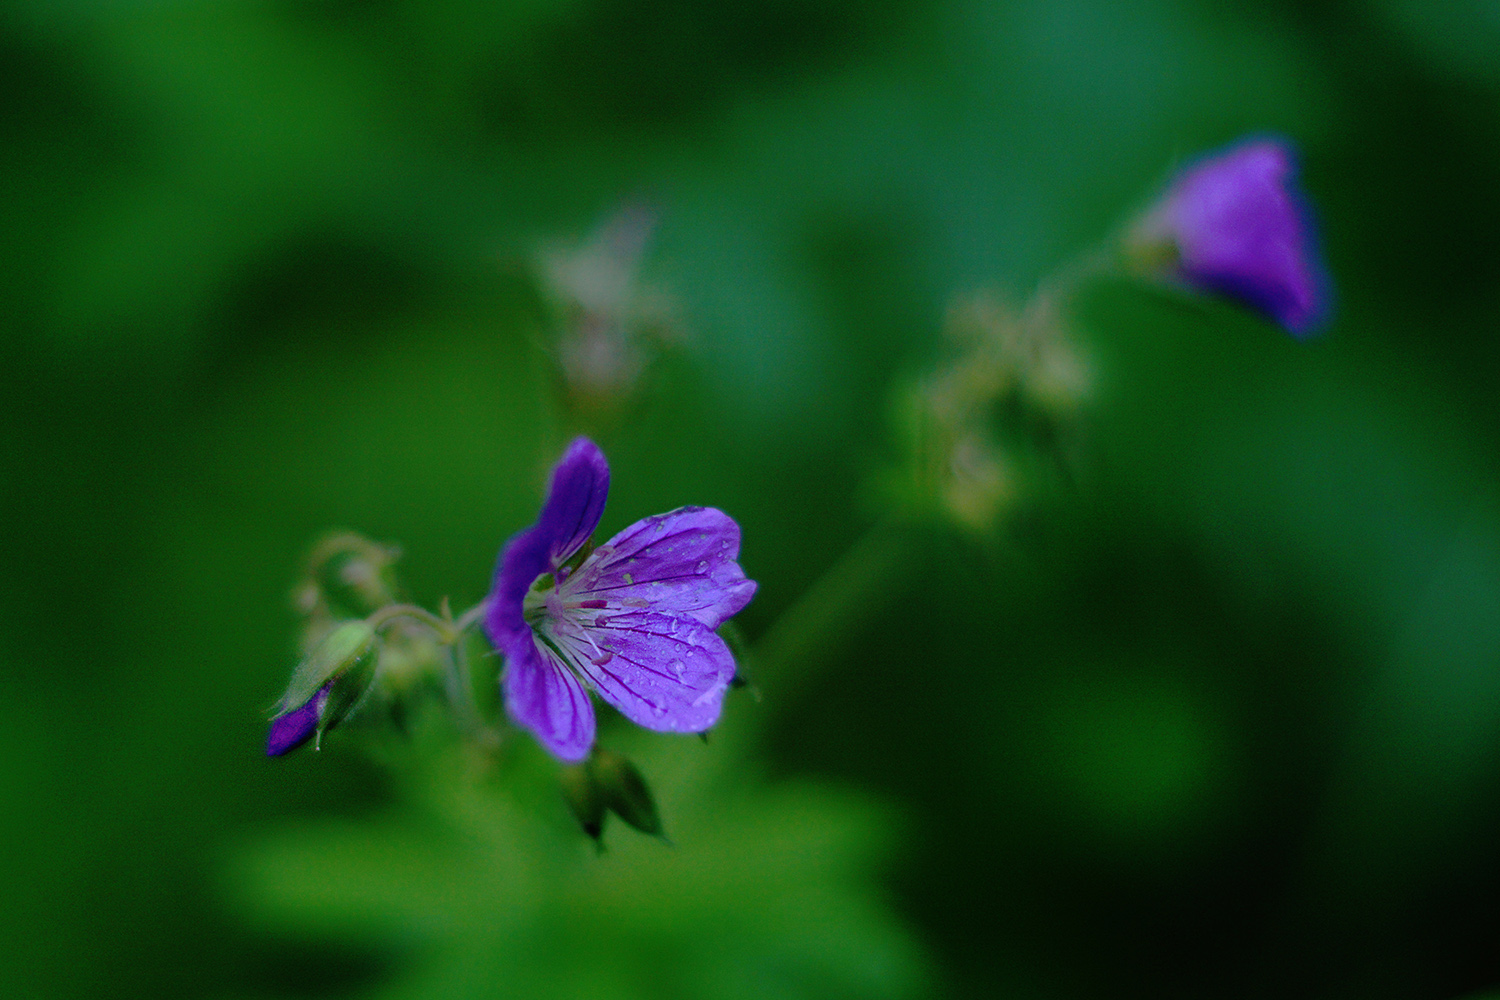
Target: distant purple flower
(1241, 229)
(290, 730)
(634, 619)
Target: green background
(1220, 720)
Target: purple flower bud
(325, 687)
(291, 729)
(1234, 224)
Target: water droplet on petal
(702, 565)
(677, 667)
(713, 692)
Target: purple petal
(575, 502)
(580, 484)
(663, 672)
(1242, 230)
(682, 562)
(291, 729)
(523, 559)
(543, 696)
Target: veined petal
(523, 559)
(580, 484)
(682, 562)
(575, 502)
(542, 695)
(662, 671)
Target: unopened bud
(623, 791)
(583, 799)
(326, 685)
(1235, 224)
(349, 576)
(291, 729)
(607, 782)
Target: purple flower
(634, 619)
(291, 729)
(1240, 228)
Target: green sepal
(623, 790)
(583, 798)
(344, 694)
(744, 661)
(350, 650)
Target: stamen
(590, 603)
(579, 630)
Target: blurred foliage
(1221, 719)
(480, 890)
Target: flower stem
(460, 686)
(469, 618)
(447, 630)
(444, 629)
(852, 592)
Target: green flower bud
(606, 782)
(583, 799)
(348, 576)
(623, 791)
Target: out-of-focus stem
(848, 596)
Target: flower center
(546, 610)
(536, 606)
(552, 617)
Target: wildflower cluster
(357, 644)
(635, 620)
(632, 619)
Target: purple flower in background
(1241, 229)
(634, 619)
(290, 730)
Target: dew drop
(677, 668)
(702, 565)
(713, 692)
